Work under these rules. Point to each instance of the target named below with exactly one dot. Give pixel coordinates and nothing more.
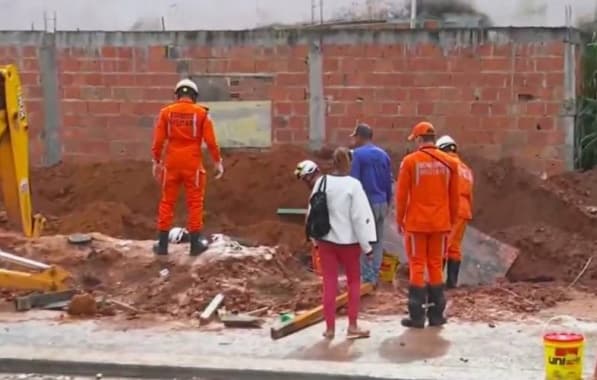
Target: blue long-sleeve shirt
(372, 166)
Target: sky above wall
(242, 14)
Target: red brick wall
(496, 99)
(499, 100)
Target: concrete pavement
(458, 351)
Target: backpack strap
(323, 184)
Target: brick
(389, 94)
(69, 64)
(504, 50)
(71, 92)
(425, 109)
(535, 108)
(298, 122)
(386, 65)
(125, 52)
(292, 79)
(494, 80)
(29, 51)
(90, 65)
(496, 64)
(553, 108)
(425, 94)
(536, 123)
(390, 108)
(331, 64)
(554, 79)
(549, 64)
(161, 66)
(282, 108)
(74, 107)
(429, 50)
(524, 65)
(451, 108)
(499, 109)
(300, 108)
(124, 66)
(462, 122)
(163, 94)
(245, 65)
(427, 65)
(427, 79)
(498, 123)
(283, 136)
(109, 52)
(408, 109)
(481, 109)
(92, 79)
(464, 64)
(103, 107)
(555, 48)
(29, 64)
(336, 108)
(525, 80)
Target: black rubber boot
(161, 247)
(416, 299)
(199, 244)
(435, 313)
(453, 270)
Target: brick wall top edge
(269, 37)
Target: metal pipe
(413, 14)
(14, 259)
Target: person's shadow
(413, 345)
(328, 351)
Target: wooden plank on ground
(312, 316)
(210, 311)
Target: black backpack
(318, 221)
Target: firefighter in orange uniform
(426, 208)
(465, 213)
(183, 126)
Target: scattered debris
(312, 316)
(78, 239)
(241, 321)
(582, 272)
(82, 305)
(208, 314)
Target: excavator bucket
(14, 154)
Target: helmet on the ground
(446, 143)
(186, 86)
(176, 234)
(304, 168)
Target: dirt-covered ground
(552, 222)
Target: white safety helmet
(304, 168)
(187, 83)
(445, 142)
(176, 234)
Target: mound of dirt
(546, 219)
(120, 198)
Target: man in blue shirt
(372, 166)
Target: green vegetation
(586, 115)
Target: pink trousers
(331, 257)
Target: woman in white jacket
(351, 232)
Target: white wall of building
(241, 14)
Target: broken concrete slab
(210, 311)
(40, 300)
(241, 321)
(484, 259)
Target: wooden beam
(312, 316)
(210, 310)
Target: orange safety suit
(427, 202)
(465, 209)
(184, 126)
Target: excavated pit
(551, 222)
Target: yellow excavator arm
(14, 154)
